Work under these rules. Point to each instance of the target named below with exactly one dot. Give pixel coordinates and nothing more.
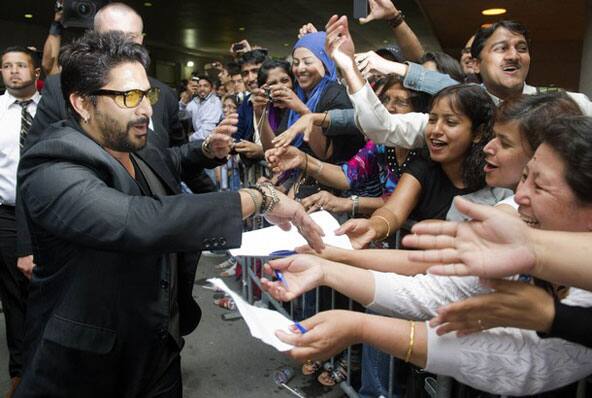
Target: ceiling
(209, 26)
(206, 28)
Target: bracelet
(411, 342)
(274, 198)
(355, 204)
(397, 20)
(388, 226)
(317, 174)
(56, 28)
(254, 197)
(205, 147)
(264, 201)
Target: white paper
(261, 242)
(262, 322)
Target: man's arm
(51, 48)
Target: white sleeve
(583, 102)
(511, 361)
(418, 297)
(372, 118)
(509, 201)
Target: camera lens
(84, 9)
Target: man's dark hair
(20, 49)
(197, 78)
(87, 61)
(534, 112)
(485, 33)
(253, 57)
(571, 139)
(445, 64)
(233, 68)
(472, 101)
(272, 64)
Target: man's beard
(118, 139)
(20, 85)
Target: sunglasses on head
(130, 98)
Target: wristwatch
(355, 204)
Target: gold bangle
(411, 342)
(388, 226)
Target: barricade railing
(251, 285)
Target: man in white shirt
(17, 109)
(205, 109)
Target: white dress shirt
(10, 128)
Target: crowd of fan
(388, 138)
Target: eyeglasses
(398, 102)
(130, 98)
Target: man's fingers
(435, 228)
(431, 242)
(369, 18)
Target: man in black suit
(166, 127)
(110, 296)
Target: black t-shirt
(344, 146)
(437, 190)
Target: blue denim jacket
(420, 79)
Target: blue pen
(300, 327)
(281, 254)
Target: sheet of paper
(262, 322)
(261, 242)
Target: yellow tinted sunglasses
(130, 98)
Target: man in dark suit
(110, 296)
(165, 124)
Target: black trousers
(13, 291)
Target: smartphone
(238, 46)
(360, 9)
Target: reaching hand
(282, 159)
(301, 272)
(249, 149)
(370, 63)
(380, 9)
(493, 245)
(303, 125)
(260, 101)
(513, 304)
(283, 96)
(359, 231)
(338, 43)
(288, 211)
(324, 200)
(220, 144)
(228, 125)
(329, 333)
(306, 29)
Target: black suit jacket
(168, 131)
(95, 317)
